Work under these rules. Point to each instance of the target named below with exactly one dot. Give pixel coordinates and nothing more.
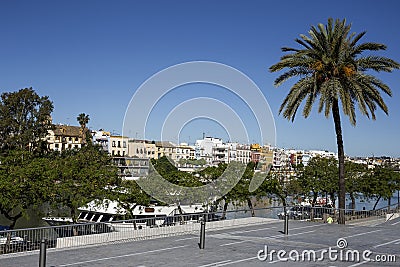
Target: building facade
(63, 137)
(118, 146)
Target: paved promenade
(241, 246)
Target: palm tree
(333, 70)
(83, 120)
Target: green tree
(24, 123)
(280, 184)
(212, 173)
(129, 195)
(354, 174)
(332, 68)
(82, 176)
(380, 184)
(240, 193)
(162, 172)
(25, 182)
(24, 120)
(319, 177)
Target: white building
(118, 146)
(224, 153)
(243, 153)
(184, 151)
(101, 138)
(141, 149)
(204, 148)
(322, 154)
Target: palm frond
(357, 38)
(297, 94)
(331, 67)
(377, 63)
(300, 71)
(367, 47)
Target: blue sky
(91, 56)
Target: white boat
(111, 213)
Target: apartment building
(165, 148)
(142, 149)
(243, 153)
(101, 138)
(131, 168)
(63, 137)
(184, 151)
(118, 146)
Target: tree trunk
(314, 201)
(225, 209)
(353, 202)
(339, 141)
(250, 204)
(181, 214)
(376, 203)
(130, 211)
(315, 196)
(13, 219)
(74, 221)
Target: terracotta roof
(67, 130)
(164, 144)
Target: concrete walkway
(241, 245)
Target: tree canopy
(25, 118)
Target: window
(56, 145)
(124, 144)
(119, 143)
(113, 143)
(76, 139)
(70, 139)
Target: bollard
(202, 233)
(286, 225)
(42, 255)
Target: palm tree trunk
(339, 141)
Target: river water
(34, 218)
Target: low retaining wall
(129, 234)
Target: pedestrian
(329, 219)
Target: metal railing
(86, 234)
(321, 213)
